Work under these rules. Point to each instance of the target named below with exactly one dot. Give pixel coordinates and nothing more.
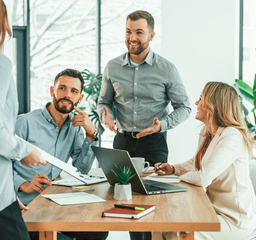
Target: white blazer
(225, 175)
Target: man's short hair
(136, 15)
(71, 73)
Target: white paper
(70, 182)
(61, 165)
(73, 198)
(164, 178)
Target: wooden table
(184, 212)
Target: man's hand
(107, 120)
(36, 184)
(33, 158)
(21, 205)
(155, 127)
(82, 119)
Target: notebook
(129, 213)
(108, 157)
(164, 178)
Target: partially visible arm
(182, 168)
(11, 147)
(223, 155)
(106, 97)
(179, 100)
(21, 130)
(82, 154)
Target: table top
(180, 211)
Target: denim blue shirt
(11, 147)
(143, 92)
(39, 128)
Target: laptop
(108, 157)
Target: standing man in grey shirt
(141, 84)
(59, 133)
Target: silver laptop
(108, 157)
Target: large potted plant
(92, 86)
(122, 189)
(248, 94)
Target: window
(67, 34)
(249, 41)
(21, 61)
(64, 34)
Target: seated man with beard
(58, 132)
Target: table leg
(48, 235)
(186, 235)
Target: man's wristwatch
(94, 135)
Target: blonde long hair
(222, 104)
(4, 23)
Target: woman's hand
(164, 169)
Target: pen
(95, 176)
(129, 207)
(158, 167)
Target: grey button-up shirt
(11, 147)
(143, 92)
(39, 128)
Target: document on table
(82, 179)
(60, 164)
(164, 178)
(71, 181)
(73, 198)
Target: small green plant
(123, 175)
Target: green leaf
(245, 90)
(123, 175)
(254, 91)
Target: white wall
(199, 38)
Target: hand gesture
(107, 120)
(82, 119)
(33, 158)
(155, 127)
(36, 184)
(163, 169)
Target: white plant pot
(122, 192)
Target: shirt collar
(46, 114)
(148, 59)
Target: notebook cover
(128, 213)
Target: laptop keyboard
(151, 188)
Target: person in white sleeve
(221, 164)
(12, 148)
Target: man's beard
(63, 109)
(139, 49)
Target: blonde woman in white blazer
(221, 164)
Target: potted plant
(122, 189)
(92, 86)
(248, 94)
